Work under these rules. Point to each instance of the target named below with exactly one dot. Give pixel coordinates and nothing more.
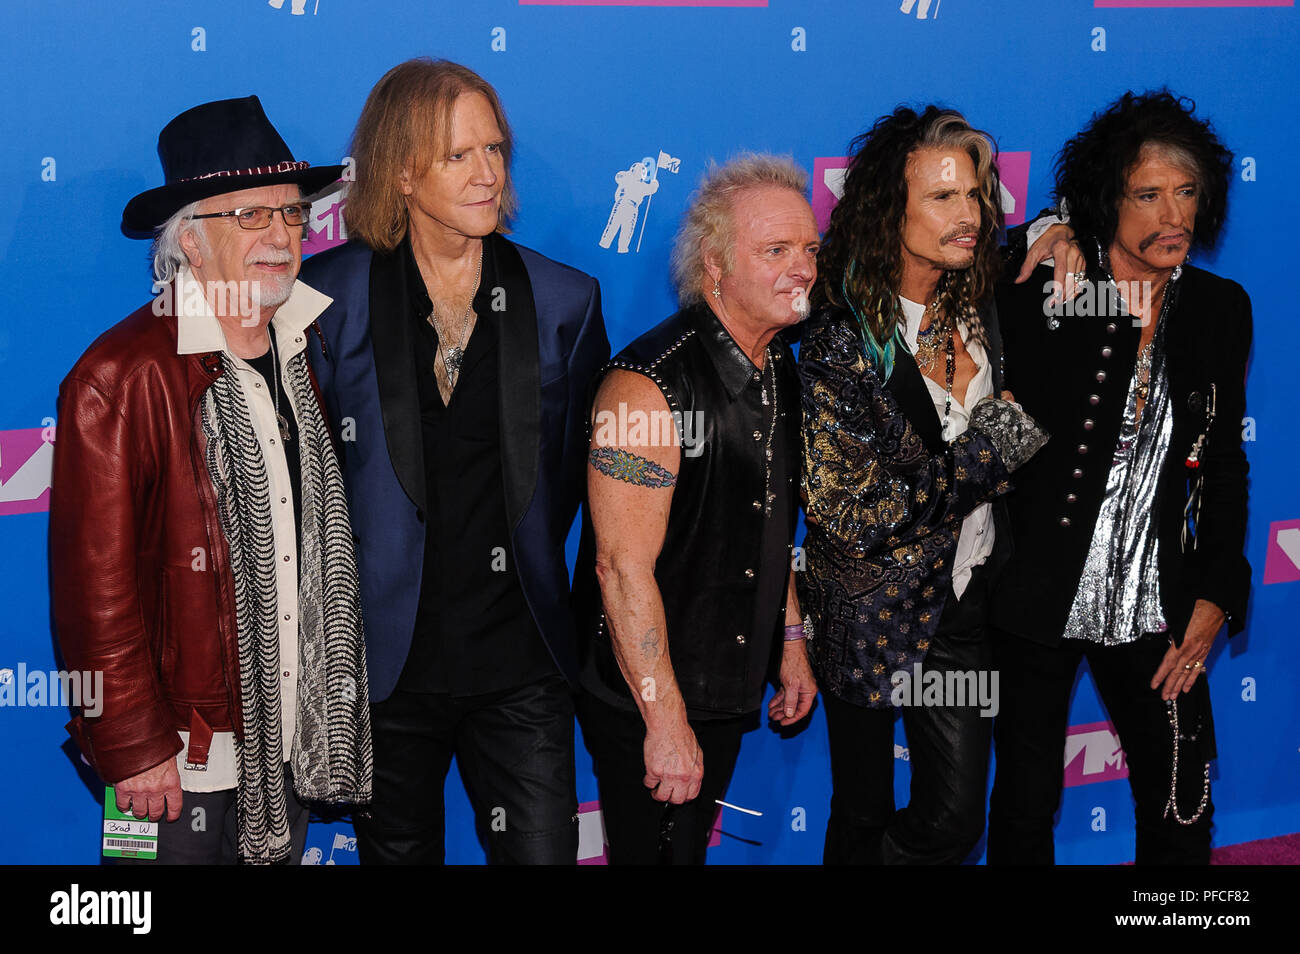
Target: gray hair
(168, 256)
(708, 225)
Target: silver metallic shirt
(1118, 598)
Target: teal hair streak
(880, 356)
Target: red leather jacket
(141, 582)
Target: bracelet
(794, 631)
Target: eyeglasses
(256, 217)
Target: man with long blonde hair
(456, 365)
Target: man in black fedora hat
(201, 550)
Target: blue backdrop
(592, 86)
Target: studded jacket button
(1106, 352)
(1071, 498)
(1101, 376)
(1083, 448)
(1094, 399)
(1089, 424)
(1064, 521)
(740, 639)
(1078, 472)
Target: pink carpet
(1282, 850)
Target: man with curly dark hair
(1129, 527)
(906, 445)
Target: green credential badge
(126, 836)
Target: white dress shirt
(199, 332)
(975, 541)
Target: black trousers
(515, 753)
(640, 830)
(207, 832)
(948, 750)
(1030, 739)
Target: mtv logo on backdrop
(1013, 171)
(26, 463)
(829, 173)
(828, 186)
(1093, 754)
(342, 843)
(1282, 564)
(591, 835)
(325, 227)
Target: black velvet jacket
(1074, 380)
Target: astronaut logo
(922, 8)
(297, 7)
(638, 182)
(315, 855)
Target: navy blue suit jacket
(552, 343)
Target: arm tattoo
(623, 465)
(649, 641)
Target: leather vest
(709, 568)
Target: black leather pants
(515, 754)
(948, 749)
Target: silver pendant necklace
(454, 356)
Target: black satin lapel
(519, 379)
(393, 341)
(907, 384)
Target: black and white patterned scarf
(331, 757)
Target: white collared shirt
(198, 332)
(975, 541)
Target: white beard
(271, 293)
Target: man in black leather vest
(684, 578)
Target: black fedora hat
(215, 148)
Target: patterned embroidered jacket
(883, 513)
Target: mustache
(958, 233)
(1150, 240)
(270, 258)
